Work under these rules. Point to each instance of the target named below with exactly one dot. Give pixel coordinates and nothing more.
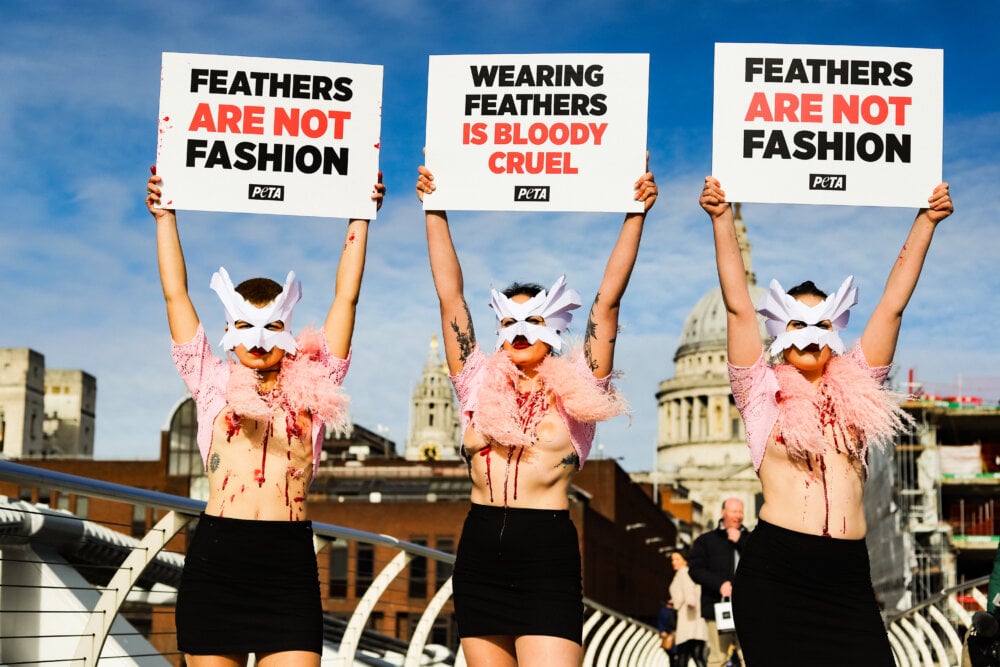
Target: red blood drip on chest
(232, 425)
(826, 497)
(485, 451)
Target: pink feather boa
(303, 384)
(859, 411)
(579, 394)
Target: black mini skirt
(803, 599)
(249, 587)
(517, 572)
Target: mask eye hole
(825, 325)
(537, 320)
(277, 325)
(507, 322)
(796, 324)
(242, 324)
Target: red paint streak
(826, 498)
(485, 451)
(902, 252)
(292, 427)
(225, 481)
(232, 497)
(506, 476)
(298, 499)
(844, 530)
(517, 469)
(259, 474)
(531, 406)
(232, 425)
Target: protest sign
(540, 132)
(266, 135)
(810, 124)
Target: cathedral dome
(705, 326)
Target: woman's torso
(258, 469)
(536, 476)
(822, 495)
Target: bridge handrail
(20, 473)
(642, 640)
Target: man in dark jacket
(714, 555)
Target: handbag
(667, 641)
(724, 616)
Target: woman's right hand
(713, 198)
(153, 197)
(425, 182)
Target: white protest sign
(266, 135)
(810, 124)
(541, 132)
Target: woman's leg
(491, 651)
(544, 651)
(234, 660)
(291, 658)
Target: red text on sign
(787, 107)
(532, 163)
(873, 109)
(230, 118)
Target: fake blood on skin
(531, 406)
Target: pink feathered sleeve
(466, 383)
(879, 373)
(205, 376)
(755, 391)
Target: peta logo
(267, 192)
(827, 182)
(531, 193)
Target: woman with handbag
(692, 631)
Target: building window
(364, 572)
(338, 571)
(184, 455)
(138, 520)
(418, 572)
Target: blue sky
(78, 119)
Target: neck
(266, 380)
(812, 375)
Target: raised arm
(878, 342)
(602, 323)
(456, 321)
(743, 336)
(181, 315)
(339, 325)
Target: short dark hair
(259, 291)
(808, 287)
(528, 289)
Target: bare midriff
(260, 470)
(536, 476)
(822, 495)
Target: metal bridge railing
(68, 587)
(932, 633)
